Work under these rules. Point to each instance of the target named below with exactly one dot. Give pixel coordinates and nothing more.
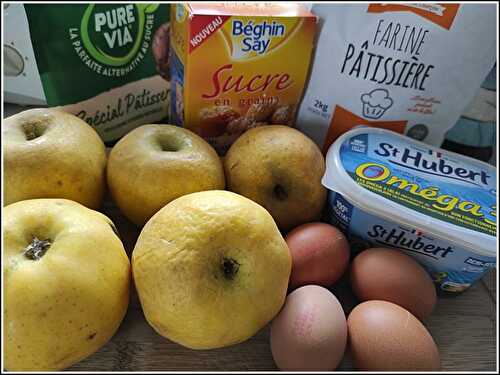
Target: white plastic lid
(337, 179)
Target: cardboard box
(237, 66)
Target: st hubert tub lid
(394, 177)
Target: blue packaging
(388, 190)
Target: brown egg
(310, 332)
(320, 254)
(391, 275)
(385, 337)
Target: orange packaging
(237, 66)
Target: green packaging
(105, 63)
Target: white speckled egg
(310, 332)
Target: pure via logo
(115, 25)
(114, 34)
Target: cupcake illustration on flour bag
(409, 68)
(375, 103)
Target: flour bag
(410, 68)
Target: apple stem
(36, 249)
(33, 130)
(230, 268)
(280, 192)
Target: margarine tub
(387, 190)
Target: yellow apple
(52, 154)
(281, 169)
(155, 164)
(66, 283)
(211, 269)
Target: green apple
(66, 283)
(281, 169)
(211, 269)
(52, 154)
(155, 164)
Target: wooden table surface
(464, 328)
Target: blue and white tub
(388, 190)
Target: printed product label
(128, 106)
(440, 185)
(453, 268)
(100, 62)
(235, 72)
(396, 66)
(177, 90)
